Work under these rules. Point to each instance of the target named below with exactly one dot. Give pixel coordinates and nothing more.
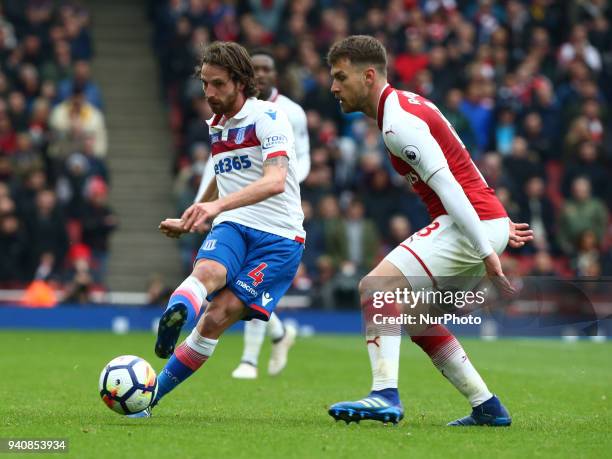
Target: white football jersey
(239, 146)
(297, 119)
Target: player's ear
(369, 75)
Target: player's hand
(172, 227)
(497, 276)
(520, 234)
(198, 216)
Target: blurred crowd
(54, 216)
(522, 81)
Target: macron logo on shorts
(265, 299)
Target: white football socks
(203, 346)
(254, 333)
(384, 354)
(454, 364)
(275, 328)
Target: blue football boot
(489, 413)
(374, 407)
(169, 329)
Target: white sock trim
(200, 344)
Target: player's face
(349, 86)
(220, 90)
(265, 73)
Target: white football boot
(278, 357)
(245, 371)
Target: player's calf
(224, 311)
(449, 357)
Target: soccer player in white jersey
(283, 337)
(250, 257)
(469, 230)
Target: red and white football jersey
(239, 147)
(421, 141)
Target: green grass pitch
(558, 393)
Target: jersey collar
(381, 104)
(218, 121)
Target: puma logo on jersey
(390, 131)
(374, 341)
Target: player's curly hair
(359, 49)
(233, 58)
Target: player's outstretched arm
(270, 184)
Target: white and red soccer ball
(128, 384)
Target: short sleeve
(409, 140)
(274, 133)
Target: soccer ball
(128, 384)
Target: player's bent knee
(211, 273)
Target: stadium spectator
(74, 118)
(521, 165)
(543, 265)
(47, 236)
(316, 240)
(581, 213)
(79, 288)
(81, 78)
(537, 210)
(400, 229)
(14, 250)
(99, 222)
(579, 47)
(586, 163)
(361, 235)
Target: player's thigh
(221, 256)
(441, 256)
(211, 273)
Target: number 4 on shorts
(257, 274)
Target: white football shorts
(441, 256)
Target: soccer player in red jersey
(469, 230)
